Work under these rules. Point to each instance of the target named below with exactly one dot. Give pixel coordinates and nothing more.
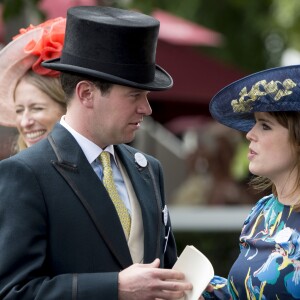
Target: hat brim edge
(162, 80)
(241, 122)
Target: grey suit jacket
(60, 236)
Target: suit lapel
(145, 192)
(73, 166)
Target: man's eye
(135, 95)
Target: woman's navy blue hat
(276, 89)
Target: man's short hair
(69, 82)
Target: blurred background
(204, 45)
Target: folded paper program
(197, 269)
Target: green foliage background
(255, 32)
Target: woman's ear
(85, 91)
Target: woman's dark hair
(291, 121)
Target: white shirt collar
(90, 149)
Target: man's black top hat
(112, 44)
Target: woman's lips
(251, 154)
(33, 137)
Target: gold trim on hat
(259, 89)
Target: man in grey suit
(60, 234)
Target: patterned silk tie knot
(110, 186)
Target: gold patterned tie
(110, 186)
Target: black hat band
(132, 72)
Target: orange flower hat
(28, 49)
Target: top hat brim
(271, 90)
(162, 80)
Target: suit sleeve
(24, 273)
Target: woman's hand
(209, 289)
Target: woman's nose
(26, 120)
(250, 136)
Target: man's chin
(129, 140)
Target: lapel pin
(140, 159)
(165, 215)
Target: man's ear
(85, 91)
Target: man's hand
(148, 282)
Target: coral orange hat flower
(48, 46)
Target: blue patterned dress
(268, 266)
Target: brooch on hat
(276, 89)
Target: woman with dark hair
(266, 105)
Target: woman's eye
(266, 127)
(37, 108)
(19, 111)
